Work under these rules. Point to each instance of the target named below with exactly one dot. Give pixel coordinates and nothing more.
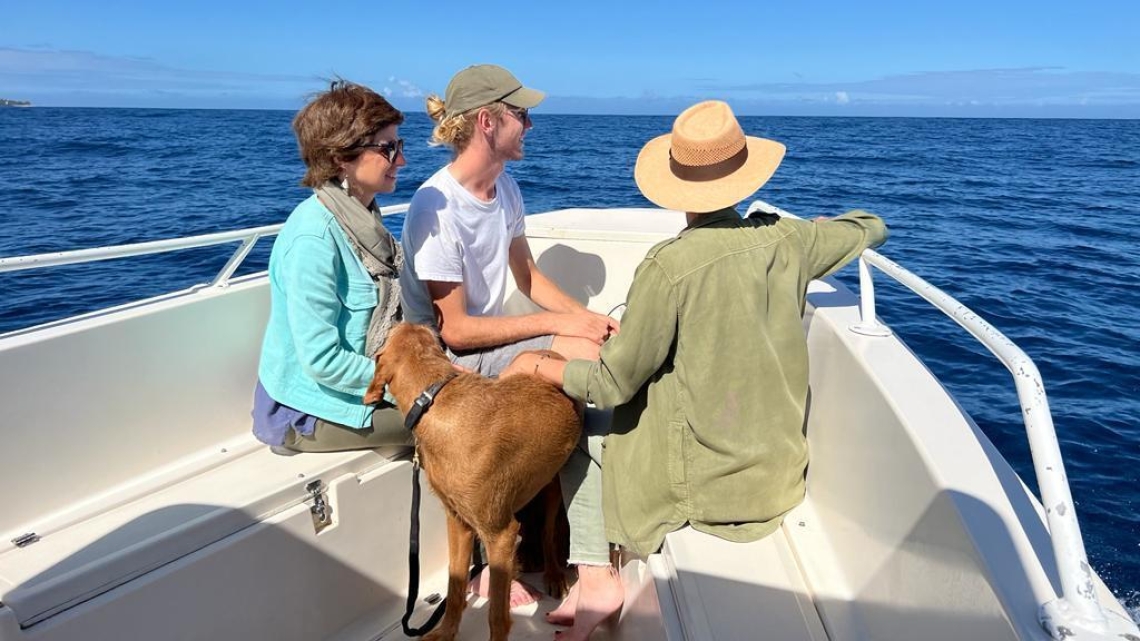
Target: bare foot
(521, 593)
(564, 613)
(600, 596)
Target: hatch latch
(319, 507)
(25, 540)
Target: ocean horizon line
(742, 114)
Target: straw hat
(707, 163)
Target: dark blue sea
(1032, 223)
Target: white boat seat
(729, 591)
(81, 561)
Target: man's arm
(462, 331)
(574, 319)
(837, 241)
(627, 361)
(563, 316)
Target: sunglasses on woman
(391, 149)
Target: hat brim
(524, 98)
(657, 182)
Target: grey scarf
(379, 252)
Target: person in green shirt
(709, 375)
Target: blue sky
(805, 57)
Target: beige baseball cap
(480, 85)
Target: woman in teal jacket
(333, 277)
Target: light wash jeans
(581, 479)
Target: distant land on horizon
(5, 102)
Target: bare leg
(600, 596)
(460, 539)
(501, 553)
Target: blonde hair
(457, 130)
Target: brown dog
(488, 447)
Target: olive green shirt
(709, 376)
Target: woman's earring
(344, 184)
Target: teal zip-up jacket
(312, 356)
(709, 377)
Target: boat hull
(159, 516)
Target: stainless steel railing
(1078, 597)
(247, 237)
(1077, 609)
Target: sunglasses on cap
(391, 149)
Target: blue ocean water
(1032, 223)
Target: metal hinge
(25, 540)
(320, 509)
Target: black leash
(415, 413)
(414, 564)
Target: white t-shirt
(451, 236)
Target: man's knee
(574, 347)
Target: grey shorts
(492, 360)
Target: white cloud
(409, 89)
(59, 63)
(842, 98)
(47, 75)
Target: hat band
(705, 173)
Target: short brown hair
(334, 122)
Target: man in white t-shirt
(463, 235)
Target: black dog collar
(424, 401)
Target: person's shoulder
(310, 216)
(432, 195)
(509, 193)
(794, 225)
(663, 250)
(774, 227)
(309, 223)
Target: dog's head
(408, 349)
